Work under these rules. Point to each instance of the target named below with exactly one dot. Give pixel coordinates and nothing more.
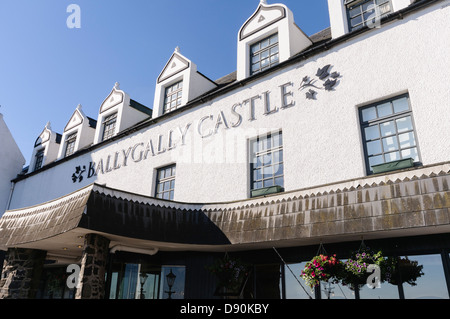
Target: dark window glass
(39, 160)
(70, 144)
(109, 126)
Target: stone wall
(22, 269)
(93, 267)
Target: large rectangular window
(109, 126)
(361, 13)
(172, 97)
(264, 54)
(70, 144)
(266, 163)
(165, 183)
(388, 132)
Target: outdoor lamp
(170, 281)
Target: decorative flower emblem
(329, 81)
(78, 175)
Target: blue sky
(47, 69)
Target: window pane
(274, 39)
(274, 58)
(372, 132)
(257, 175)
(267, 171)
(257, 185)
(407, 140)
(264, 63)
(268, 183)
(369, 114)
(278, 169)
(356, 20)
(279, 181)
(267, 158)
(390, 144)
(375, 160)
(278, 157)
(355, 11)
(404, 124)
(367, 6)
(432, 284)
(276, 140)
(411, 153)
(384, 109)
(259, 161)
(401, 105)
(387, 128)
(274, 50)
(392, 157)
(255, 48)
(374, 147)
(264, 43)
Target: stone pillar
(22, 269)
(93, 267)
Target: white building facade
(324, 139)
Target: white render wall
(322, 139)
(11, 163)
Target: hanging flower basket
(402, 270)
(356, 266)
(321, 268)
(232, 275)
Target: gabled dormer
(269, 37)
(179, 83)
(78, 133)
(350, 15)
(46, 148)
(118, 112)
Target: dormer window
(70, 144)
(39, 159)
(363, 13)
(118, 112)
(264, 54)
(269, 37)
(178, 84)
(109, 126)
(173, 97)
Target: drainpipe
(150, 252)
(13, 184)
